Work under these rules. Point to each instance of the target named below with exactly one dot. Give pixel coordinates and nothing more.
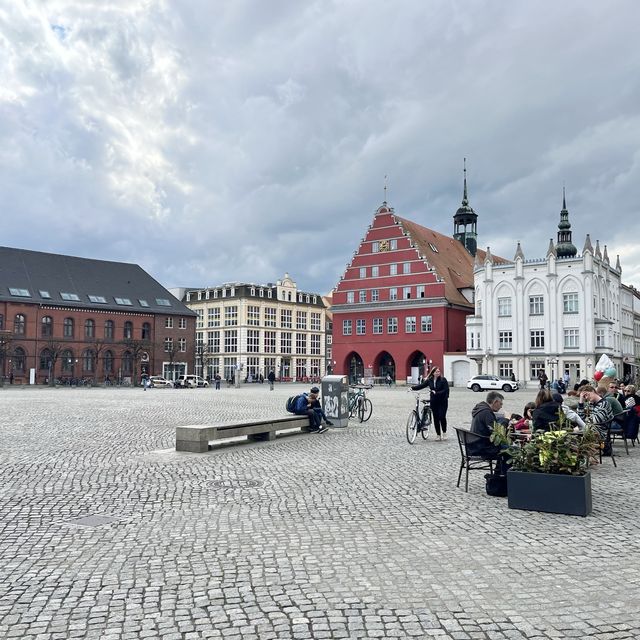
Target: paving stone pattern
(107, 532)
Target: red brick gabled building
(403, 299)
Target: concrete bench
(196, 437)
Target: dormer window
(72, 297)
(21, 293)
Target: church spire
(564, 247)
(465, 220)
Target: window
(45, 359)
(146, 331)
(213, 317)
(231, 341)
(269, 341)
(315, 367)
(571, 338)
(505, 369)
(21, 293)
(375, 271)
(269, 316)
(377, 325)
(168, 322)
(127, 363)
(392, 325)
(97, 299)
(504, 307)
(393, 293)
(570, 303)
(315, 321)
(350, 297)
(163, 302)
(253, 316)
(123, 301)
(301, 343)
(168, 345)
(393, 269)
(315, 345)
(199, 318)
(47, 327)
(346, 327)
(253, 341)
(213, 341)
(505, 339)
(108, 329)
(285, 342)
(410, 324)
(406, 267)
(45, 294)
(90, 328)
(182, 344)
(536, 367)
(1, 321)
(600, 338)
(536, 305)
(433, 247)
(406, 293)
(107, 362)
(375, 295)
(231, 316)
(128, 330)
(420, 291)
(301, 368)
(67, 327)
(143, 303)
(182, 323)
(536, 339)
(375, 247)
(19, 324)
(479, 308)
(301, 320)
(286, 320)
(363, 272)
(393, 244)
(88, 360)
(361, 326)
(362, 296)
(426, 324)
(19, 358)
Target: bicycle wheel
(427, 418)
(365, 409)
(412, 427)
(353, 403)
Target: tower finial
(564, 199)
(385, 189)
(465, 199)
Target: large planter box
(550, 492)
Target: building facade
(554, 314)
(402, 301)
(70, 318)
(257, 329)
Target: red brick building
(403, 299)
(64, 317)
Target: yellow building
(256, 329)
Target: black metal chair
(619, 427)
(606, 442)
(470, 461)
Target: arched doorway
(386, 365)
(417, 366)
(356, 368)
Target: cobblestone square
(107, 532)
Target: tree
(6, 339)
(171, 350)
(137, 348)
(55, 349)
(97, 347)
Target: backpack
(291, 403)
(496, 485)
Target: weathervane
(385, 189)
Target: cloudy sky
(214, 141)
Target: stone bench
(196, 437)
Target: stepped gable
(451, 261)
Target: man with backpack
(309, 405)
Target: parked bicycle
(419, 420)
(359, 404)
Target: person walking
(271, 378)
(439, 388)
(218, 379)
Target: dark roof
(55, 274)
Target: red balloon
(598, 374)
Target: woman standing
(439, 387)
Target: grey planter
(550, 492)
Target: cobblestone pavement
(349, 534)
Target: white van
(191, 381)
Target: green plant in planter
(559, 450)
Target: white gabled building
(557, 313)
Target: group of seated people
(600, 406)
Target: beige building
(255, 328)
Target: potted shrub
(550, 472)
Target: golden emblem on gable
(384, 245)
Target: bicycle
(419, 420)
(359, 404)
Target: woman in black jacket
(439, 387)
(546, 411)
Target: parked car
(190, 381)
(488, 382)
(160, 382)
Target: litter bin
(335, 402)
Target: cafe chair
(470, 462)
